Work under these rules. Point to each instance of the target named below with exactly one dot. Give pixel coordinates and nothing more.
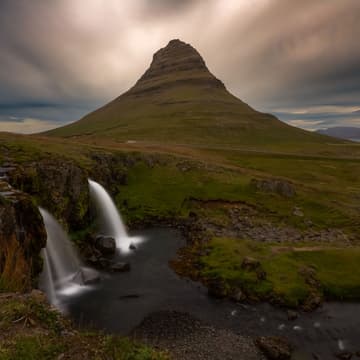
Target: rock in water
(90, 276)
(86, 276)
(344, 355)
(274, 347)
(105, 244)
(292, 315)
(120, 267)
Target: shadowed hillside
(178, 100)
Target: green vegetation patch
(163, 190)
(31, 330)
(285, 267)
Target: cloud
(27, 125)
(305, 124)
(273, 54)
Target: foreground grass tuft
(31, 330)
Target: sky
(61, 59)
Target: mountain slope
(178, 100)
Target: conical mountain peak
(178, 62)
(179, 101)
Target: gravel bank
(187, 338)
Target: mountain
(342, 132)
(178, 100)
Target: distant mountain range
(342, 132)
(178, 100)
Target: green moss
(334, 270)
(32, 348)
(30, 330)
(124, 349)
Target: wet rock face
(105, 244)
(58, 185)
(22, 235)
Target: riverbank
(187, 338)
(32, 330)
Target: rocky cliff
(22, 235)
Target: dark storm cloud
(72, 56)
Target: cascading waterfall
(63, 273)
(111, 220)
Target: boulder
(90, 276)
(274, 347)
(238, 295)
(120, 267)
(86, 276)
(292, 315)
(105, 244)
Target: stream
(121, 300)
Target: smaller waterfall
(63, 273)
(111, 219)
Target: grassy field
(287, 269)
(181, 177)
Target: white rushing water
(111, 220)
(63, 272)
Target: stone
(292, 315)
(238, 295)
(105, 244)
(86, 276)
(274, 347)
(120, 267)
(250, 263)
(344, 355)
(90, 276)
(297, 212)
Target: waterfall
(111, 220)
(63, 273)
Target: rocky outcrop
(177, 63)
(22, 235)
(59, 185)
(105, 244)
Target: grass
(30, 330)
(334, 269)
(325, 177)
